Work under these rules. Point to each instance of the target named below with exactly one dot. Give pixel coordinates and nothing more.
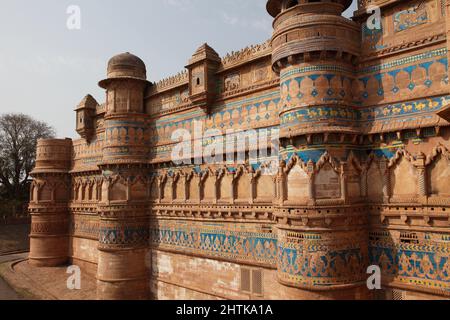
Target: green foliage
(19, 134)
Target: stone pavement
(6, 292)
(13, 238)
(46, 283)
(19, 280)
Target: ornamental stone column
(420, 164)
(386, 180)
(50, 192)
(123, 268)
(311, 193)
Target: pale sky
(46, 69)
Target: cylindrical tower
(314, 51)
(123, 272)
(125, 127)
(322, 239)
(50, 193)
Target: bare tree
(18, 138)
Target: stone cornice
(404, 47)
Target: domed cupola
(125, 66)
(125, 112)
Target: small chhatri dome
(126, 65)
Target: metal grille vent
(252, 281)
(398, 295)
(257, 282)
(245, 280)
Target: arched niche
(94, 192)
(374, 182)
(297, 184)
(84, 191)
(264, 188)
(138, 190)
(327, 182)
(403, 178)
(438, 174)
(45, 192)
(179, 192)
(353, 179)
(118, 190)
(209, 187)
(167, 188)
(242, 186)
(225, 187)
(90, 193)
(61, 192)
(193, 187)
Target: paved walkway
(6, 292)
(30, 282)
(41, 283)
